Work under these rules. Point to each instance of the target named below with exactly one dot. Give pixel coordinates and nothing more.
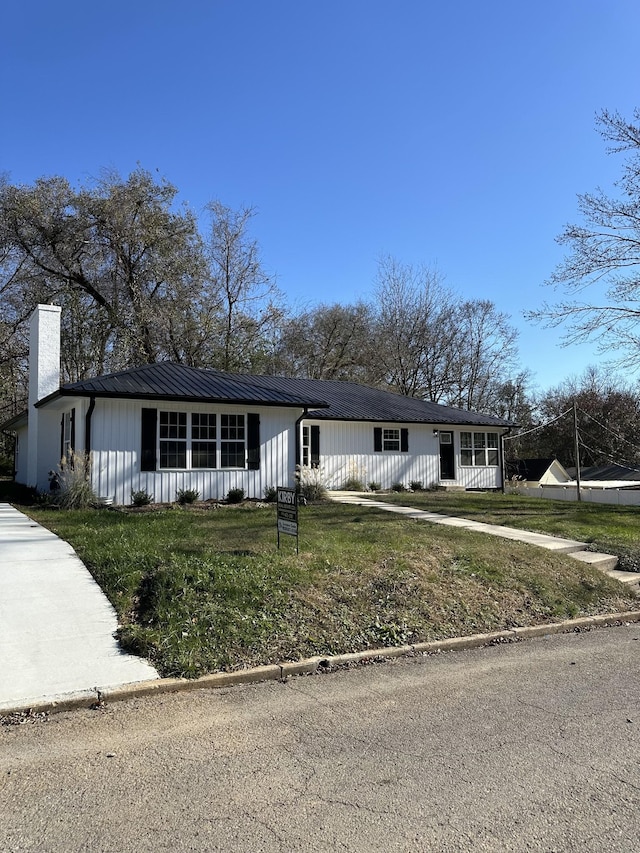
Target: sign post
(287, 512)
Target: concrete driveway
(56, 624)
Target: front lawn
(200, 590)
(612, 529)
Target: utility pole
(577, 448)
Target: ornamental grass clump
(311, 484)
(73, 479)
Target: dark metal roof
(325, 399)
(169, 381)
(350, 401)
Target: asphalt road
(525, 746)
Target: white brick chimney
(44, 379)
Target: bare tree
(330, 342)
(486, 356)
(604, 250)
(608, 421)
(416, 331)
(245, 294)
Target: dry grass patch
(202, 591)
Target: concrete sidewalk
(577, 550)
(56, 625)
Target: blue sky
(455, 134)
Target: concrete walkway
(56, 625)
(577, 550)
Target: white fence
(617, 497)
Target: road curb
(310, 666)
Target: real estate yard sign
(287, 511)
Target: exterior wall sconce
(435, 432)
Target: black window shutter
(404, 440)
(253, 441)
(62, 438)
(73, 429)
(148, 440)
(315, 445)
(377, 439)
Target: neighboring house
(164, 427)
(531, 473)
(611, 476)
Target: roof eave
(112, 395)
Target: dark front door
(447, 462)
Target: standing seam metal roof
(325, 399)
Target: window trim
(379, 439)
(478, 452)
(249, 428)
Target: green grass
(203, 590)
(612, 529)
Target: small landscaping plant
(187, 496)
(354, 481)
(270, 494)
(352, 484)
(398, 487)
(374, 487)
(141, 497)
(416, 486)
(235, 496)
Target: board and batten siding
(347, 451)
(116, 452)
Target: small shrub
(416, 486)
(74, 489)
(311, 483)
(354, 481)
(236, 496)
(141, 497)
(352, 484)
(398, 487)
(187, 496)
(270, 494)
(374, 487)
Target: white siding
(116, 439)
(346, 450)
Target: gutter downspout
(87, 426)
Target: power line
(536, 428)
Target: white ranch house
(164, 427)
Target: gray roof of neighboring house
(528, 469)
(602, 473)
(324, 399)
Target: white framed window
(306, 447)
(479, 448)
(173, 439)
(67, 439)
(203, 440)
(232, 441)
(391, 439)
(199, 440)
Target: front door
(447, 462)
